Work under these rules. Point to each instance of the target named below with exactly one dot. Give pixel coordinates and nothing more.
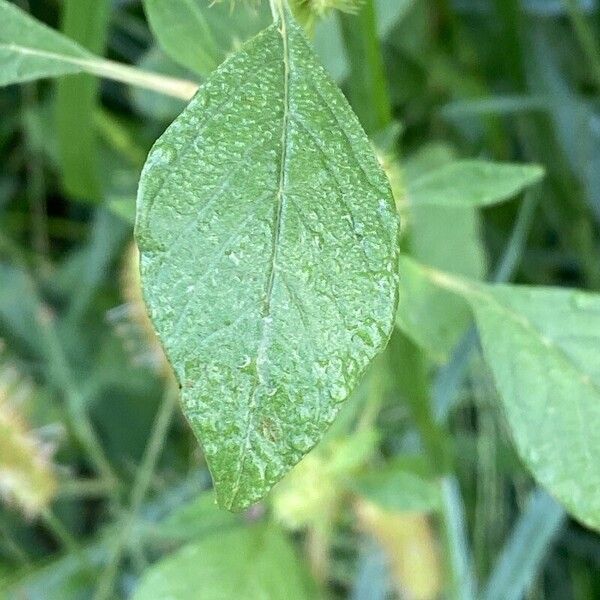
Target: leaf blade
(198, 35)
(39, 51)
(213, 563)
(30, 50)
(473, 183)
(261, 399)
(540, 346)
(556, 429)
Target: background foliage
(417, 489)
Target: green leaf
(433, 318)
(253, 562)
(402, 485)
(473, 183)
(195, 519)
(269, 242)
(199, 35)
(541, 345)
(30, 50)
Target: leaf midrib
(278, 212)
(277, 226)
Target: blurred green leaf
(404, 484)
(195, 519)
(389, 12)
(329, 46)
(19, 311)
(30, 50)
(255, 562)
(540, 344)
(472, 183)
(311, 233)
(433, 318)
(199, 35)
(70, 577)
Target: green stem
(413, 383)
(60, 532)
(86, 488)
(154, 448)
(139, 490)
(64, 380)
(367, 85)
(277, 10)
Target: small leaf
(542, 347)
(253, 562)
(269, 245)
(199, 34)
(473, 183)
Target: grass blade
(525, 549)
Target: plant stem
(413, 383)
(169, 86)
(277, 10)
(60, 532)
(140, 489)
(91, 488)
(75, 402)
(412, 380)
(40, 240)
